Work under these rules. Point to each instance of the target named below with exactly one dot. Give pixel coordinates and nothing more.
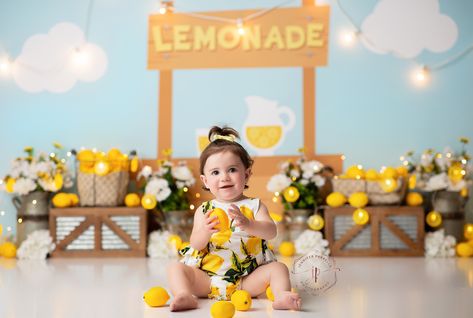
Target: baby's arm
(263, 226)
(203, 229)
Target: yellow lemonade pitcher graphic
(264, 129)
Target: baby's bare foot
(287, 300)
(183, 302)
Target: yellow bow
(227, 138)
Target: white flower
(163, 194)
(36, 246)
(159, 245)
(284, 166)
(456, 186)
(318, 180)
(426, 159)
(438, 245)
(278, 183)
(310, 241)
(312, 165)
(304, 182)
(145, 172)
(158, 187)
(183, 173)
(294, 173)
(24, 186)
(437, 182)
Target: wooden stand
(99, 232)
(391, 231)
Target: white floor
(367, 287)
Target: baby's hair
(224, 139)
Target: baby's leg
(186, 281)
(277, 276)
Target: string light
(166, 6)
(343, 157)
(421, 76)
(5, 66)
(240, 28)
(348, 38)
(2, 213)
(80, 58)
(191, 207)
(20, 220)
(34, 202)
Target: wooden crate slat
(75, 233)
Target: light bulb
(421, 76)
(162, 10)
(80, 58)
(240, 28)
(348, 38)
(5, 66)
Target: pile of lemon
(101, 163)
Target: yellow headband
(227, 138)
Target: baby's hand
(210, 222)
(238, 218)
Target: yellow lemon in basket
(148, 201)
(433, 219)
(211, 263)
(358, 200)
(355, 172)
(371, 175)
(222, 309)
(8, 250)
(388, 184)
(224, 222)
(291, 194)
(464, 249)
(468, 231)
(156, 296)
(132, 200)
(269, 293)
(414, 199)
(86, 156)
(62, 200)
(336, 199)
(101, 168)
(316, 222)
(389, 172)
(287, 248)
(361, 216)
(175, 240)
(74, 199)
(241, 299)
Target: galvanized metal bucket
(296, 222)
(180, 223)
(450, 205)
(33, 213)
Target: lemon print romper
(231, 253)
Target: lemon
(358, 199)
(287, 248)
(148, 201)
(241, 299)
(102, 168)
(74, 199)
(10, 185)
(62, 200)
(8, 250)
(58, 181)
(222, 309)
(86, 156)
(371, 175)
(402, 171)
(389, 172)
(134, 163)
(433, 219)
(291, 194)
(156, 296)
(336, 199)
(175, 240)
(467, 231)
(464, 249)
(361, 216)
(456, 172)
(269, 293)
(224, 223)
(355, 172)
(132, 200)
(221, 237)
(211, 263)
(414, 199)
(316, 222)
(388, 184)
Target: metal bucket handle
(16, 202)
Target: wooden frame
(264, 167)
(379, 215)
(96, 216)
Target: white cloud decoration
(55, 61)
(406, 27)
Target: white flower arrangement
(159, 245)
(310, 241)
(40, 172)
(438, 245)
(37, 246)
(169, 184)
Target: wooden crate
(99, 231)
(391, 231)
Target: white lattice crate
(99, 231)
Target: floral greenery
(42, 172)
(169, 184)
(305, 176)
(440, 170)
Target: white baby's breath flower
(304, 182)
(456, 186)
(158, 187)
(24, 186)
(309, 241)
(312, 165)
(295, 173)
(437, 182)
(318, 180)
(426, 159)
(278, 183)
(438, 245)
(36, 246)
(159, 245)
(145, 172)
(163, 194)
(183, 173)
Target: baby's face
(225, 176)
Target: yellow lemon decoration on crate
(464, 249)
(74, 199)
(468, 231)
(291, 194)
(241, 299)
(316, 222)
(101, 168)
(62, 200)
(8, 250)
(132, 200)
(414, 199)
(361, 216)
(148, 201)
(156, 296)
(222, 309)
(287, 248)
(224, 222)
(371, 175)
(388, 184)
(336, 199)
(175, 240)
(269, 293)
(358, 200)
(433, 219)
